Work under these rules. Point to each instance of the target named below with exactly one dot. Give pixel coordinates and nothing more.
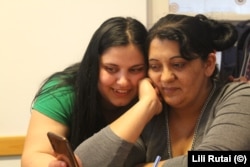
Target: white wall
(40, 37)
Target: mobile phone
(62, 149)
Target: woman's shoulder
(55, 87)
(237, 88)
(54, 90)
(233, 93)
(55, 101)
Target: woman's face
(181, 83)
(121, 69)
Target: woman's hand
(149, 92)
(60, 163)
(240, 79)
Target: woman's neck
(111, 112)
(183, 123)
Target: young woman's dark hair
(83, 77)
(87, 118)
(188, 31)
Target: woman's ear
(210, 64)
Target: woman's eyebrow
(138, 66)
(153, 59)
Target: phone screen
(62, 149)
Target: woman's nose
(167, 75)
(123, 80)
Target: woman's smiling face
(121, 69)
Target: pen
(157, 159)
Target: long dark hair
(83, 76)
(118, 31)
(197, 35)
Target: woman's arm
(230, 127)
(37, 149)
(227, 127)
(130, 125)
(112, 145)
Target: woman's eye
(137, 70)
(154, 67)
(178, 65)
(111, 69)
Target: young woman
(95, 102)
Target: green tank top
(57, 104)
